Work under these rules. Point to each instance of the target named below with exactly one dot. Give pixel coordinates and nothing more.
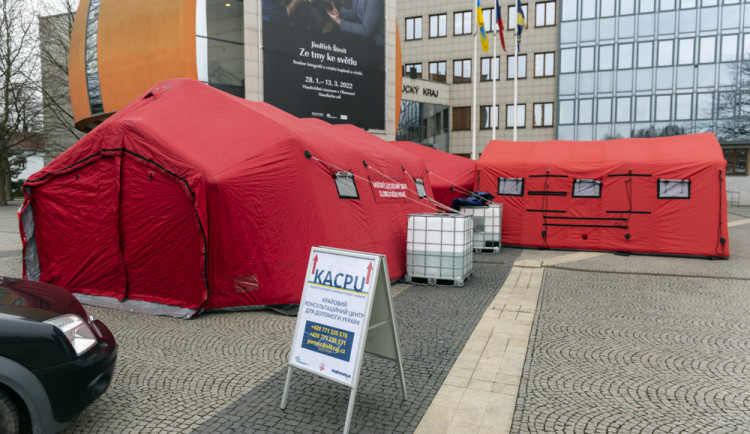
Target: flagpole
(515, 83)
(474, 96)
(494, 117)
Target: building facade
(437, 42)
(594, 70)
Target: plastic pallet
(486, 249)
(435, 280)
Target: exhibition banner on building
(326, 59)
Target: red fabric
(195, 198)
(693, 226)
(451, 176)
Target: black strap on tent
(722, 240)
(584, 226)
(547, 193)
(586, 218)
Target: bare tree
(20, 105)
(54, 35)
(734, 109)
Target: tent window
(674, 189)
(510, 186)
(587, 188)
(345, 185)
(421, 191)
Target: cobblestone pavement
(641, 344)
(224, 372)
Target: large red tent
(191, 199)
(657, 195)
(451, 176)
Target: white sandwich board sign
(346, 310)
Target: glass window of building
(707, 52)
(545, 14)
(683, 106)
(438, 71)
(666, 5)
(438, 26)
(461, 118)
(588, 30)
(665, 53)
(587, 59)
(686, 51)
(663, 108)
(413, 28)
(543, 114)
(604, 110)
(220, 47)
(626, 26)
(606, 53)
(705, 106)
(729, 48)
(730, 17)
(567, 60)
(646, 6)
(746, 45)
(736, 161)
(642, 108)
(687, 4)
(509, 116)
(646, 25)
(627, 7)
(462, 71)
(585, 111)
(413, 70)
(512, 17)
(645, 54)
(488, 120)
(687, 19)
(623, 109)
(709, 18)
(544, 65)
(521, 66)
(462, 23)
(666, 23)
(490, 20)
(607, 8)
(709, 2)
(490, 69)
(569, 10)
(566, 111)
(588, 9)
(728, 102)
(625, 56)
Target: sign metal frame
(378, 335)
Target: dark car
(55, 359)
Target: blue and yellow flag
(480, 23)
(520, 23)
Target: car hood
(36, 300)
